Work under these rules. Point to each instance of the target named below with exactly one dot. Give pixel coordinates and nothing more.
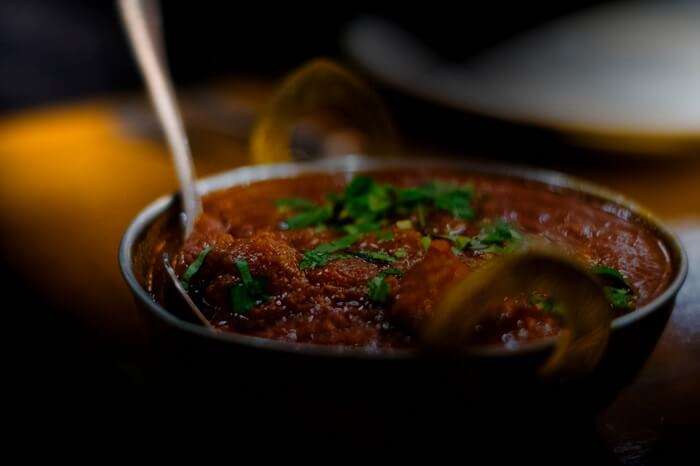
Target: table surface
(82, 171)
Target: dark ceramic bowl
(300, 375)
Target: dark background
(54, 50)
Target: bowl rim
(349, 165)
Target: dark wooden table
(82, 171)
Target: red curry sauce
(335, 303)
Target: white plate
(626, 74)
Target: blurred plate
(624, 76)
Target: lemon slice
(586, 312)
(325, 90)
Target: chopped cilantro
(392, 271)
(365, 205)
(456, 201)
(308, 213)
(358, 186)
(459, 242)
(400, 253)
(619, 298)
(326, 252)
(249, 292)
(355, 228)
(420, 211)
(311, 217)
(616, 288)
(296, 204)
(194, 268)
(365, 200)
(497, 237)
(378, 289)
(545, 303)
(241, 301)
(383, 236)
(417, 195)
(379, 256)
(453, 198)
(610, 275)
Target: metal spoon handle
(138, 19)
(183, 293)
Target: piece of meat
(267, 257)
(344, 279)
(424, 285)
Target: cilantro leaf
(421, 212)
(619, 298)
(365, 201)
(610, 275)
(308, 213)
(456, 201)
(497, 237)
(244, 270)
(358, 186)
(325, 252)
(459, 242)
(452, 198)
(296, 203)
(311, 217)
(241, 301)
(417, 195)
(367, 227)
(383, 236)
(249, 292)
(379, 256)
(615, 287)
(545, 303)
(378, 288)
(194, 268)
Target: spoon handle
(138, 19)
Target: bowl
(319, 379)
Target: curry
(363, 261)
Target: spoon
(142, 22)
(195, 309)
(142, 25)
(322, 87)
(584, 307)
